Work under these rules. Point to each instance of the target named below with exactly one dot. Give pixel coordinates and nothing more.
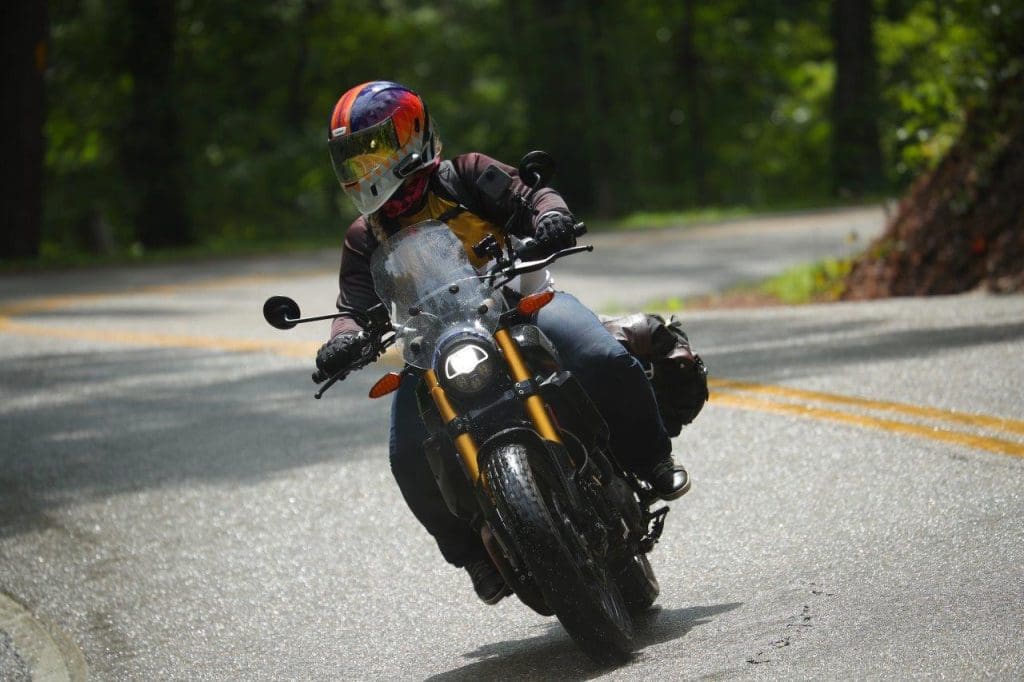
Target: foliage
(820, 281)
(661, 106)
(938, 60)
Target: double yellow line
(292, 349)
(948, 426)
(10, 311)
(912, 420)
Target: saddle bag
(677, 374)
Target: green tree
(856, 150)
(25, 44)
(151, 141)
(660, 105)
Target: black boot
(669, 480)
(487, 582)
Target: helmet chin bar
(409, 165)
(417, 161)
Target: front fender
(529, 438)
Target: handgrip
(532, 249)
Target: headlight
(467, 368)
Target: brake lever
(331, 381)
(514, 271)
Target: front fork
(536, 408)
(464, 442)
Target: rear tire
(585, 598)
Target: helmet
(380, 134)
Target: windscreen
(424, 274)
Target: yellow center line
(976, 420)
(51, 303)
(727, 393)
(990, 444)
(292, 349)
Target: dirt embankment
(961, 226)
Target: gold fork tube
(536, 409)
(464, 443)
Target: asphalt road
(175, 505)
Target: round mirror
(280, 311)
(536, 168)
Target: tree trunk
(856, 152)
(25, 33)
(297, 103)
(600, 112)
(552, 72)
(152, 152)
(688, 66)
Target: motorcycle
(516, 446)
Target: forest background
(185, 123)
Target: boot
(669, 480)
(487, 582)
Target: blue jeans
(611, 376)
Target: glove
(338, 353)
(554, 231)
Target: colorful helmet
(380, 134)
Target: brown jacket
(453, 182)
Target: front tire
(575, 584)
(636, 582)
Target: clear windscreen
(424, 275)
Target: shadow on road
(89, 425)
(792, 350)
(552, 655)
(92, 424)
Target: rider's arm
(471, 166)
(355, 281)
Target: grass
(819, 282)
(645, 220)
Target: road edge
(49, 654)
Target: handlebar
(523, 258)
(369, 355)
(531, 249)
(529, 257)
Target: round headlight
(467, 367)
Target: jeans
(611, 376)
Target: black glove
(338, 353)
(554, 232)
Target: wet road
(174, 504)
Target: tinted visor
(357, 155)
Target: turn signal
(388, 383)
(534, 302)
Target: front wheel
(575, 583)
(636, 582)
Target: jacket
(452, 185)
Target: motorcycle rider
(386, 152)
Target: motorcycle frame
(535, 406)
(582, 460)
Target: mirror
(536, 168)
(280, 311)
